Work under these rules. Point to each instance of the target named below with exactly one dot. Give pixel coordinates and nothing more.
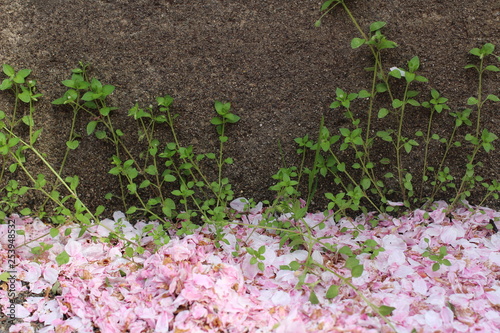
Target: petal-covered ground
(189, 285)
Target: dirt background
(265, 57)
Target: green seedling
(438, 258)
(257, 257)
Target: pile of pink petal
(189, 285)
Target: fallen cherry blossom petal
(189, 285)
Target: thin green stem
(479, 96)
(355, 183)
(53, 171)
(399, 165)
(426, 152)
(220, 163)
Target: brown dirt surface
(265, 57)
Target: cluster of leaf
(361, 187)
(369, 184)
(161, 166)
(18, 138)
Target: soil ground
(265, 57)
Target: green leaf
(493, 98)
(357, 271)
(357, 42)
(151, 170)
(232, 118)
(381, 87)
(169, 178)
(365, 183)
(8, 70)
(167, 208)
(413, 102)
(24, 96)
(470, 66)
(95, 85)
(144, 183)
(326, 4)
(475, 51)
(488, 48)
(397, 73)
(100, 134)
(346, 250)
(386, 310)
(21, 75)
(54, 232)
(216, 121)
(396, 103)
(332, 292)
(88, 96)
(28, 120)
(62, 258)
(472, 101)
(222, 108)
(492, 68)
(384, 136)
(386, 44)
(72, 144)
(434, 94)
(294, 265)
(131, 210)
(108, 89)
(4, 276)
(261, 266)
(91, 127)
(446, 262)
(104, 111)
(99, 210)
(364, 94)
(413, 64)
(6, 84)
(409, 77)
(69, 83)
(35, 135)
(377, 26)
(13, 141)
(382, 113)
(313, 298)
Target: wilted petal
(240, 205)
(494, 296)
(50, 275)
(73, 248)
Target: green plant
(148, 177)
(14, 149)
(24, 92)
(257, 256)
(360, 182)
(437, 258)
(370, 183)
(166, 180)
